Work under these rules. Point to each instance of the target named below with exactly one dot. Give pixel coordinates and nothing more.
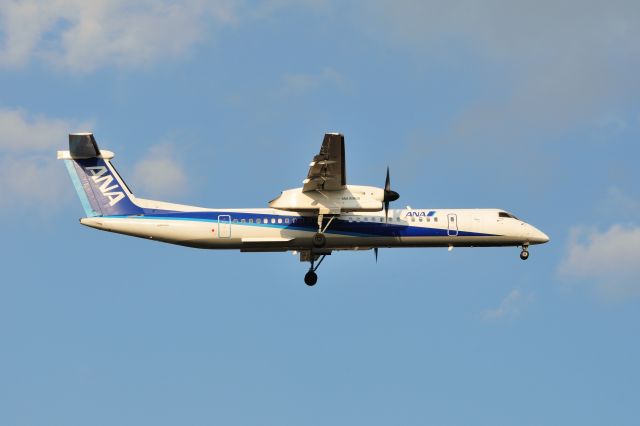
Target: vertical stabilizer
(100, 188)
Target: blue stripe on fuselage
(309, 224)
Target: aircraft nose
(536, 236)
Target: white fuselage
(324, 215)
(279, 230)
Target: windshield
(509, 215)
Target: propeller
(389, 196)
(375, 252)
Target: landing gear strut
(524, 254)
(319, 240)
(311, 278)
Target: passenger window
(451, 219)
(435, 219)
(258, 220)
(242, 220)
(273, 220)
(419, 219)
(286, 220)
(279, 220)
(250, 220)
(413, 219)
(428, 219)
(235, 220)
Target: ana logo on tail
(102, 178)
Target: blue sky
(528, 106)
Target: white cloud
(159, 174)
(31, 175)
(610, 260)
(29, 171)
(83, 35)
(509, 307)
(548, 65)
(32, 180)
(20, 132)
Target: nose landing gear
(524, 254)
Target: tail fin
(100, 188)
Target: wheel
(524, 255)
(319, 240)
(310, 278)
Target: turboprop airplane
(325, 215)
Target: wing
(327, 170)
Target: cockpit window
(509, 215)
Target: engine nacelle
(353, 198)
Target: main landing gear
(317, 252)
(524, 254)
(311, 278)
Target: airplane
(324, 215)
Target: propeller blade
(387, 182)
(375, 252)
(386, 211)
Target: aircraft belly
(342, 242)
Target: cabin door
(452, 224)
(224, 226)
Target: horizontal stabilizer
(83, 145)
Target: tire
(524, 255)
(319, 240)
(310, 278)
